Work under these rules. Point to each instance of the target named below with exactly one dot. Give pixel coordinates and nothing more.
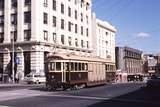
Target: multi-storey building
(104, 43)
(151, 64)
(41, 27)
(128, 62)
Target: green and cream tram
(68, 71)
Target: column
(20, 20)
(37, 59)
(37, 20)
(7, 20)
(6, 65)
(20, 64)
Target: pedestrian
(17, 77)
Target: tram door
(63, 70)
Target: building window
(87, 33)
(69, 11)
(87, 44)
(87, 19)
(106, 43)
(45, 3)
(45, 18)
(45, 35)
(62, 39)
(81, 17)
(54, 37)
(69, 41)
(1, 37)
(76, 28)
(75, 14)
(87, 6)
(82, 2)
(54, 21)
(14, 3)
(27, 35)
(75, 2)
(62, 23)
(62, 8)
(76, 42)
(1, 20)
(82, 43)
(106, 33)
(54, 4)
(13, 19)
(14, 35)
(69, 26)
(27, 2)
(27, 17)
(1, 4)
(81, 30)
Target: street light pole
(13, 79)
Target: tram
(69, 71)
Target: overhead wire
(122, 9)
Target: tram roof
(78, 58)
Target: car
(154, 82)
(35, 78)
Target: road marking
(80, 97)
(4, 106)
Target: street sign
(17, 61)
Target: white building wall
(37, 27)
(36, 20)
(105, 34)
(20, 21)
(7, 19)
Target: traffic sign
(17, 61)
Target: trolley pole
(13, 79)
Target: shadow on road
(143, 97)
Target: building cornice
(33, 43)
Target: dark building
(129, 64)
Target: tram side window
(86, 66)
(58, 66)
(67, 66)
(83, 66)
(76, 67)
(72, 66)
(80, 66)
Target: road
(113, 95)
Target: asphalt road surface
(113, 95)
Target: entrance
(27, 63)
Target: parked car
(154, 82)
(35, 78)
(145, 79)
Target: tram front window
(52, 66)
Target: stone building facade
(128, 62)
(40, 28)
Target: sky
(137, 22)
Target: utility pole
(13, 79)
